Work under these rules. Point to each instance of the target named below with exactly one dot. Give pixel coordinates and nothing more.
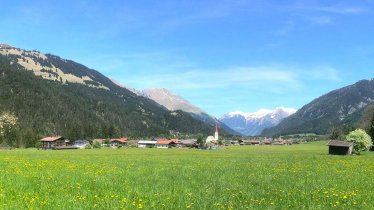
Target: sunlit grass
(239, 177)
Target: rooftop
(52, 138)
(340, 143)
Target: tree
(337, 134)
(200, 141)
(371, 131)
(8, 124)
(107, 142)
(96, 144)
(361, 140)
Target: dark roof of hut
(340, 143)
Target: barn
(337, 147)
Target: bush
(361, 140)
(38, 145)
(88, 146)
(96, 144)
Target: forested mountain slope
(346, 106)
(54, 102)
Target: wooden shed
(337, 147)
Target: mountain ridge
(340, 107)
(70, 99)
(173, 102)
(252, 124)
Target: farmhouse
(53, 142)
(266, 142)
(162, 144)
(279, 142)
(255, 142)
(245, 142)
(189, 143)
(146, 144)
(132, 143)
(337, 147)
(235, 142)
(118, 142)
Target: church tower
(216, 133)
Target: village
(211, 142)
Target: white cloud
(339, 9)
(320, 20)
(274, 79)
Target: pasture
(238, 177)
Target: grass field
(238, 177)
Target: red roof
(165, 142)
(267, 141)
(254, 142)
(122, 140)
(52, 138)
(175, 141)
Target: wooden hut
(337, 147)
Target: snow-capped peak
(261, 112)
(252, 123)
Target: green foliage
(88, 146)
(38, 145)
(361, 140)
(8, 126)
(337, 134)
(371, 130)
(96, 145)
(107, 142)
(340, 133)
(200, 141)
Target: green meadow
(238, 177)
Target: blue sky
(222, 55)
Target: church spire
(216, 133)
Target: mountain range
(55, 96)
(173, 102)
(350, 106)
(252, 124)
